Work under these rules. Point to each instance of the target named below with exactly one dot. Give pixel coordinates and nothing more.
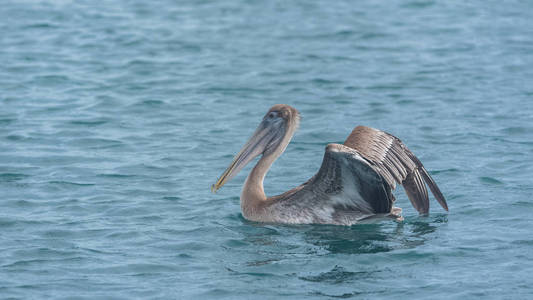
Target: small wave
(516, 130)
(116, 176)
(60, 182)
(490, 180)
(12, 177)
(88, 122)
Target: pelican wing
(345, 190)
(350, 182)
(391, 159)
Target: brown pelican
(354, 183)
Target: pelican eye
(271, 115)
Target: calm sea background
(117, 116)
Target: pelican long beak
(255, 146)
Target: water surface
(117, 116)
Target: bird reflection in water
(268, 243)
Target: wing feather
(416, 191)
(434, 189)
(396, 164)
(355, 182)
(346, 189)
(349, 181)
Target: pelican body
(354, 183)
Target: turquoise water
(117, 116)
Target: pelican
(354, 183)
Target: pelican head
(269, 139)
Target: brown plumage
(353, 184)
(396, 164)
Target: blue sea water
(117, 116)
